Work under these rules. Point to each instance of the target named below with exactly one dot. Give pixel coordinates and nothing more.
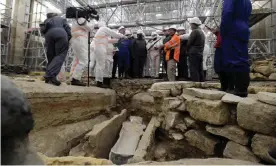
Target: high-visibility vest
(173, 45)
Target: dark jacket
(196, 42)
(139, 48)
(183, 48)
(56, 22)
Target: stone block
(181, 107)
(171, 103)
(159, 93)
(263, 69)
(261, 144)
(190, 122)
(232, 132)
(72, 160)
(204, 94)
(176, 136)
(202, 140)
(175, 91)
(231, 99)
(57, 141)
(272, 76)
(209, 161)
(143, 102)
(266, 97)
(171, 119)
(169, 85)
(213, 112)
(77, 150)
(146, 141)
(181, 126)
(104, 135)
(256, 116)
(208, 85)
(237, 151)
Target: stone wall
(219, 124)
(263, 70)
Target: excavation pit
(86, 121)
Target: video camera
(87, 12)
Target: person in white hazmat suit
(153, 46)
(101, 45)
(206, 54)
(79, 42)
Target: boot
(53, 81)
(77, 82)
(106, 83)
(99, 84)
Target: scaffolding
(6, 17)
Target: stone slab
(237, 151)
(104, 135)
(209, 161)
(212, 112)
(146, 141)
(169, 85)
(57, 141)
(67, 103)
(204, 93)
(266, 97)
(190, 122)
(159, 93)
(143, 102)
(261, 145)
(72, 160)
(171, 119)
(232, 132)
(256, 116)
(231, 99)
(202, 140)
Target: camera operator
(80, 29)
(57, 34)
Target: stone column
(21, 9)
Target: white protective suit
(101, 45)
(109, 57)
(79, 44)
(153, 47)
(206, 54)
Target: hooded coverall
(206, 54)
(235, 35)
(101, 44)
(109, 58)
(57, 34)
(79, 43)
(124, 56)
(153, 47)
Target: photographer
(80, 29)
(57, 34)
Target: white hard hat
(139, 32)
(173, 27)
(166, 28)
(153, 34)
(181, 28)
(195, 20)
(128, 32)
(121, 27)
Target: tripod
(89, 43)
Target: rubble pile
(14, 69)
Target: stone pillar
(21, 9)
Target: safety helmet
(153, 34)
(166, 28)
(121, 27)
(139, 32)
(181, 28)
(173, 27)
(128, 32)
(195, 20)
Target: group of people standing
(136, 58)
